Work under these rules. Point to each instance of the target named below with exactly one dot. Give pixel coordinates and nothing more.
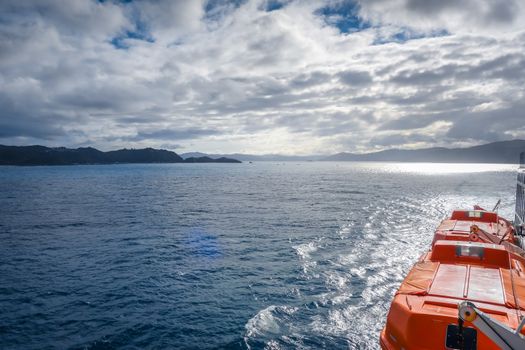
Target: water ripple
(206, 256)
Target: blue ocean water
(219, 256)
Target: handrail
(519, 221)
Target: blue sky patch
(406, 34)
(345, 16)
(215, 9)
(119, 42)
(211, 5)
(140, 32)
(273, 5)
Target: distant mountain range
(496, 152)
(40, 155)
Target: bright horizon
(318, 155)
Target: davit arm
(505, 337)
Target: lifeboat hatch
(475, 214)
(467, 339)
(470, 251)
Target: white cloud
(244, 79)
(472, 16)
(169, 20)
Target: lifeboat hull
(489, 271)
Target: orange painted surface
(474, 215)
(458, 227)
(456, 269)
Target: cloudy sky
(262, 76)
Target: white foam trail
(262, 322)
(304, 250)
(272, 345)
(336, 280)
(266, 321)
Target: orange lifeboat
(476, 225)
(424, 312)
(468, 291)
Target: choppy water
(213, 256)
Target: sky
(262, 76)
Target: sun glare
(447, 168)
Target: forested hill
(40, 155)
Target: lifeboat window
(470, 250)
(475, 214)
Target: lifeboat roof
(468, 271)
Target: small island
(41, 155)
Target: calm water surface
(219, 256)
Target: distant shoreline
(46, 156)
(261, 161)
(109, 164)
(502, 152)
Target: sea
(262, 255)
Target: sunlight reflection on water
(438, 168)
